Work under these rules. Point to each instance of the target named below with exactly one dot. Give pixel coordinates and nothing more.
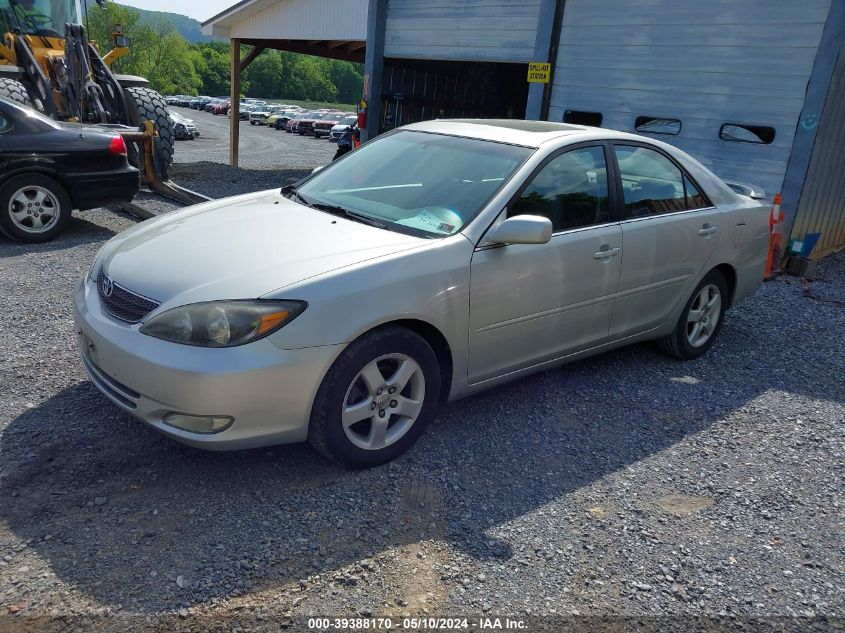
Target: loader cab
(38, 17)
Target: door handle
(707, 230)
(606, 253)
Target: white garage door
(691, 67)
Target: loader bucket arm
(37, 78)
(146, 140)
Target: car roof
(518, 131)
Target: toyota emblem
(107, 286)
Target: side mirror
(523, 229)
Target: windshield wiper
(334, 209)
(352, 215)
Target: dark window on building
(579, 117)
(761, 134)
(657, 125)
(652, 184)
(571, 190)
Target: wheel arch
(42, 170)
(131, 81)
(435, 338)
(729, 273)
(8, 71)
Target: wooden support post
(235, 123)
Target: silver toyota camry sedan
(437, 260)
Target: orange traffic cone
(776, 221)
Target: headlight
(180, 126)
(222, 323)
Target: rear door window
(652, 184)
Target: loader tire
(145, 104)
(14, 90)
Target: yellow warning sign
(539, 73)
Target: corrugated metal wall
(307, 20)
(470, 30)
(705, 63)
(822, 205)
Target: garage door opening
(420, 90)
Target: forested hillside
(176, 66)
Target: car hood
(240, 248)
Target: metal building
(755, 89)
(748, 87)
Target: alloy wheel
(383, 401)
(34, 209)
(703, 315)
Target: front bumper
(267, 390)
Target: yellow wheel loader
(47, 63)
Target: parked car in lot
(47, 169)
(184, 129)
(460, 253)
(293, 122)
(342, 127)
(323, 126)
(245, 110)
(305, 125)
(280, 120)
(221, 108)
(260, 116)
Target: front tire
(377, 399)
(145, 104)
(33, 208)
(701, 320)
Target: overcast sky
(198, 9)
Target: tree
(158, 53)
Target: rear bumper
(91, 190)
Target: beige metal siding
(822, 205)
(306, 20)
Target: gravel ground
(261, 147)
(624, 485)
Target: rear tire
(33, 208)
(145, 104)
(357, 423)
(14, 90)
(700, 321)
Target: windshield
(430, 185)
(37, 17)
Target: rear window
(652, 184)
(741, 133)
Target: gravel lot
(261, 147)
(624, 485)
